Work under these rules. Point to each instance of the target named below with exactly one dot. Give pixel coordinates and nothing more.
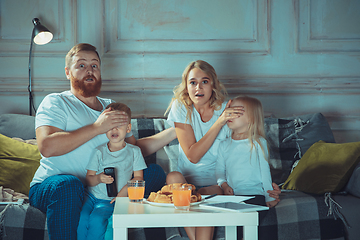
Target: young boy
(127, 161)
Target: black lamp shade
(41, 34)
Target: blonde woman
(198, 113)
(242, 167)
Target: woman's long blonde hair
(255, 112)
(181, 93)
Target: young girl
(242, 167)
(198, 113)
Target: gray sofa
(299, 215)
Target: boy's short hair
(120, 107)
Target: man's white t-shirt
(125, 161)
(202, 173)
(246, 172)
(65, 111)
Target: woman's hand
(230, 113)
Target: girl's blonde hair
(181, 93)
(255, 112)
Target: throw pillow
(18, 163)
(325, 167)
(353, 186)
(289, 138)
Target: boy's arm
(138, 175)
(92, 179)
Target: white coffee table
(142, 215)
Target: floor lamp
(40, 35)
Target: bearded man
(69, 125)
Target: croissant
(165, 194)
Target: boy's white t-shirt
(65, 111)
(202, 173)
(246, 172)
(125, 161)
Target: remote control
(111, 188)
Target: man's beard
(86, 90)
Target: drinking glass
(181, 197)
(136, 190)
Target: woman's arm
(193, 150)
(151, 144)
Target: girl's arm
(92, 179)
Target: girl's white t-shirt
(202, 173)
(244, 169)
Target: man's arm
(151, 144)
(53, 141)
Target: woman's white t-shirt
(202, 173)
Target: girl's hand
(113, 200)
(230, 113)
(272, 203)
(275, 193)
(103, 178)
(227, 189)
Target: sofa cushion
(289, 138)
(325, 167)
(353, 185)
(17, 125)
(18, 163)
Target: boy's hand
(272, 203)
(105, 178)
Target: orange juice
(136, 193)
(181, 198)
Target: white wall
(297, 57)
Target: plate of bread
(163, 197)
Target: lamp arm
(29, 87)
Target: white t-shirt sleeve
(139, 161)
(177, 114)
(51, 112)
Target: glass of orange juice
(136, 190)
(181, 197)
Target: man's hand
(109, 119)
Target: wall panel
(297, 57)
